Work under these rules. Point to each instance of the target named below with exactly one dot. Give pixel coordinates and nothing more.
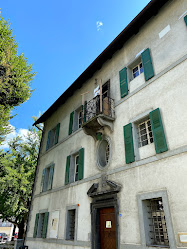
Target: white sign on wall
(54, 224)
(183, 237)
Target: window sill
(160, 246)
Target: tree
(17, 171)
(15, 76)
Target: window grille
(71, 225)
(107, 152)
(145, 133)
(158, 229)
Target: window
(75, 121)
(70, 229)
(137, 70)
(74, 167)
(41, 224)
(79, 119)
(157, 228)
(53, 137)
(104, 152)
(144, 130)
(141, 63)
(47, 178)
(106, 89)
(145, 134)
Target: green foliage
(15, 76)
(17, 170)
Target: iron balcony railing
(94, 108)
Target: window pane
(135, 72)
(76, 167)
(145, 133)
(141, 68)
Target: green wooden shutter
(67, 169)
(42, 181)
(71, 123)
(85, 110)
(81, 164)
(185, 19)
(50, 182)
(147, 64)
(36, 226)
(45, 225)
(129, 147)
(123, 82)
(158, 131)
(48, 140)
(57, 133)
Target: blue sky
(61, 39)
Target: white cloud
(99, 24)
(21, 132)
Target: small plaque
(183, 237)
(108, 224)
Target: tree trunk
(14, 229)
(21, 228)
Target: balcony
(98, 113)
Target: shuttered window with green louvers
(129, 147)
(147, 64)
(74, 167)
(53, 136)
(41, 224)
(123, 82)
(47, 178)
(158, 131)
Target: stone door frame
(103, 201)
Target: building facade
(112, 168)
